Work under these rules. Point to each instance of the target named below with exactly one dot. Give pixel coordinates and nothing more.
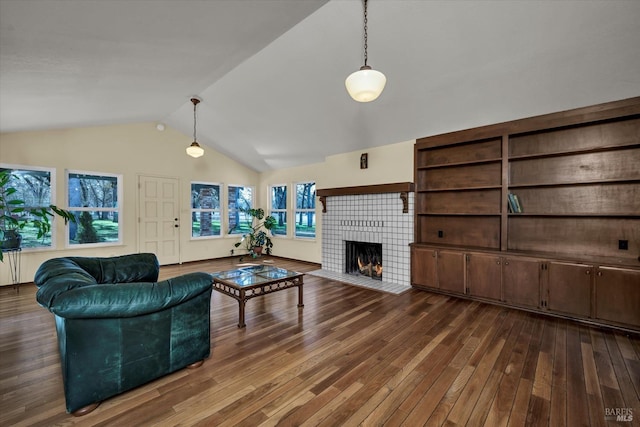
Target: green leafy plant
(12, 213)
(257, 238)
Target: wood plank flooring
(351, 357)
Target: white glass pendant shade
(194, 150)
(365, 85)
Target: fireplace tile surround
(372, 218)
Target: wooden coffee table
(245, 283)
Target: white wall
(387, 164)
(139, 149)
(131, 150)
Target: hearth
(364, 258)
(373, 217)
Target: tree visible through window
(305, 213)
(239, 198)
(205, 209)
(278, 205)
(93, 199)
(34, 187)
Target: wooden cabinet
(424, 267)
(606, 294)
(521, 281)
(567, 288)
(484, 276)
(439, 269)
(617, 295)
(576, 175)
(451, 271)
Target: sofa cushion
(63, 274)
(123, 286)
(121, 269)
(129, 299)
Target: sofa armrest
(129, 299)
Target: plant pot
(11, 239)
(257, 250)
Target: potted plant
(257, 238)
(13, 218)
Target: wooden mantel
(400, 187)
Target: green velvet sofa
(118, 327)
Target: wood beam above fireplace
(399, 187)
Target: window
(240, 198)
(35, 186)
(278, 203)
(94, 199)
(305, 214)
(205, 209)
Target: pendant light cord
(365, 32)
(195, 103)
(194, 121)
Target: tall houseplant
(14, 216)
(257, 238)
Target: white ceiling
(271, 72)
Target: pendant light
(194, 150)
(366, 84)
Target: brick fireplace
(377, 214)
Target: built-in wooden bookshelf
(576, 177)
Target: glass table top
(254, 275)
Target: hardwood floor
(351, 357)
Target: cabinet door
(423, 267)
(451, 271)
(569, 288)
(521, 281)
(484, 276)
(618, 295)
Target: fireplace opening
(364, 259)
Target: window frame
(119, 209)
(272, 210)
(52, 201)
(219, 210)
(297, 210)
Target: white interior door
(159, 222)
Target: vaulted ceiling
(271, 72)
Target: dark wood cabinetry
(576, 175)
(451, 271)
(438, 269)
(484, 276)
(567, 288)
(521, 282)
(424, 267)
(617, 295)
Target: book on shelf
(518, 204)
(514, 203)
(511, 203)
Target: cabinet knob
(506, 263)
(599, 273)
(587, 272)
(498, 262)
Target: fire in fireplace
(362, 258)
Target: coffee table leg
(241, 302)
(300, 304)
